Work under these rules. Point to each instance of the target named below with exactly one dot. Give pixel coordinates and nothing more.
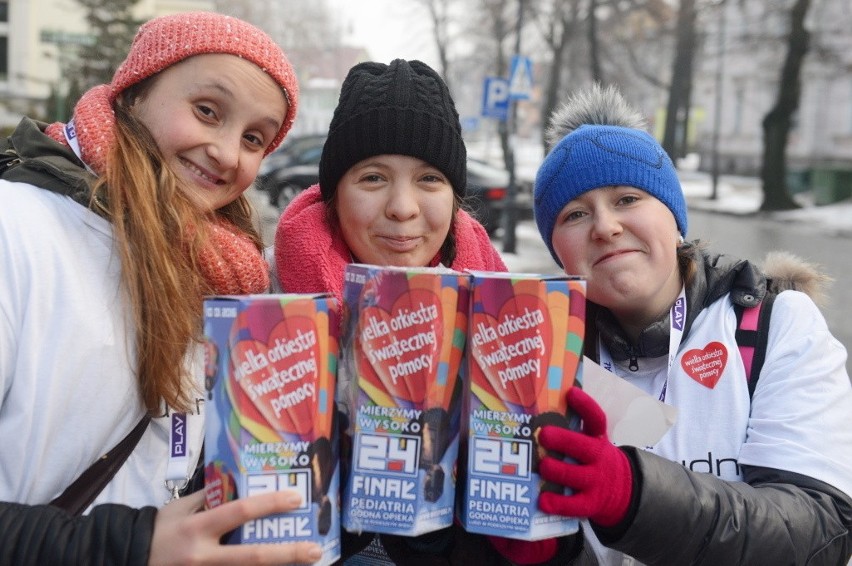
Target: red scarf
(309, 258)
(230, 262)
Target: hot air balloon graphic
(514, 342)
(407, 350)
(219, 484)
(280, 385)
(527, 337)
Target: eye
(254, 140)
(628, 199)
(371, 178)
(570, 216)
(433, 178)
(205, 111)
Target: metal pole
(509, 214)
(717, 111)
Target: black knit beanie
(399, 109)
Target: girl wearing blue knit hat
(753, 471)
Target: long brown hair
(158, 234)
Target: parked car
(294, 167)
(486, 193)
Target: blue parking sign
(495, 98)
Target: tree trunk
(561, 32)
(592, 30)
(778, 121)
(440, 32)
(679, 90)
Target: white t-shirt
(68, 392)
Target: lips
(401, 243)
(203, 174)
(611, 255)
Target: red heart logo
(706, 366)
(219, 486)
(280, 375)
(511, 341)
(402, 344)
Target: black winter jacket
(40, 534)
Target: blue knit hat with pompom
(594, 155)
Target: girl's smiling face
(394, 210)
(212, 117)
(624, 242)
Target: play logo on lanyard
(679, 313)
(706, 365)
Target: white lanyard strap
(176, 471)
(70, 132)
(677, 319)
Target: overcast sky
(389, 29)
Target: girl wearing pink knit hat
(113, 227)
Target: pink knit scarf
(229, 262)
(311, 258)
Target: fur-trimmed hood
(786, 271)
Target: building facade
(736, 84)
(37, 40)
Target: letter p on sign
(495, 98)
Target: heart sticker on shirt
(706, 366)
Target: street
(753, 237)
(749, 238)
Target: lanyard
(176, 471)
(70, 132)
(677, 318)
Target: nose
(402, 202)
(225, 150)
(606, 224)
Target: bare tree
(557, 22)
(778, 121)
(439, 14)
(677, 111)
(501, 26)
(592, 37)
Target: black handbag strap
(79, 495)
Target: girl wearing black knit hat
(392, 177)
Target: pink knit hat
(164, 41)
(159, 44)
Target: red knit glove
(601, 478)
(525, 551)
